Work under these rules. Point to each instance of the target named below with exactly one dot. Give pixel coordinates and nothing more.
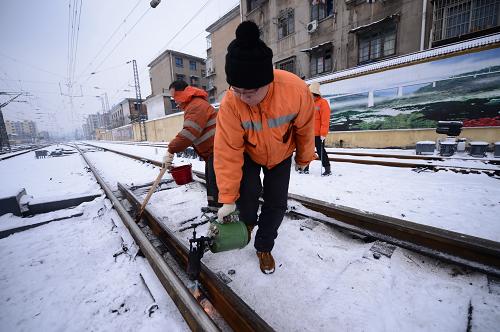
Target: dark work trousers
(212, 190)
(275, 194)
(320, 149)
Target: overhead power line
(185, 25)
(119, 42)
(109, 39)
(30, 65)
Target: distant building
(86, 131)
(221, 34)
(21, 131)
(318, 37)
(126, 112)
(44, 136)
(166, 68)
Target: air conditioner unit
(312, 26)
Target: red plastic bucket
(182, 174)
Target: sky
(35, 52)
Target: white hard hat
(314, 88)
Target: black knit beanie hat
(249, 62)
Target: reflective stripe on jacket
(321, 117)
(198, 128)
(268, 132)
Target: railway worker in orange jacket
(321, 126)
(263, 118)
(198, 131)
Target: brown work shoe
(250, 229)
(266, 261)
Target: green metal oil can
(229, 236)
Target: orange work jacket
(321, 117)
(268, 132)
(198, 128)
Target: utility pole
(141, 119)
(4, 138)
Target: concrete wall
(403, 137)
(161, 130)
(156, 106)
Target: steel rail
(21, 153)
(473, 252)
(411, 165)
(418, 157)
(234, 310)
(466, 250)
(193, 313)
(346, 160)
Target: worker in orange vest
(321, 127)
(265, 116)
(198, 130)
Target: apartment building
(317, 37)
(221, 33)
(21, 131)
(125, 112)
(166, 68)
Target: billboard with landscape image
(465, 87)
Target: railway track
(418, 165)
(417, 157)
(198, 313)
(4, 157)
(473, 252)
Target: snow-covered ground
(46, 177)
(325, 280)
(63, 276)
(464, 203)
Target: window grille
(252, 4)
(376, 45)
(286, 23)
(179, 62)
(321, 9)
(454, 18)
(321, 61)
(288, 65)
(192, 65)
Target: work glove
(322, 138)
(225, 210)
(167, 160)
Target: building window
(287, 64)
(321, 60)
(252, 4)
(454, 18)
(194, 81)
(209, 42)
(203, 73)
(378, 44)
(192, 65)
(321, 9)
(179, 62)
(286, 23)
(180, 77)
